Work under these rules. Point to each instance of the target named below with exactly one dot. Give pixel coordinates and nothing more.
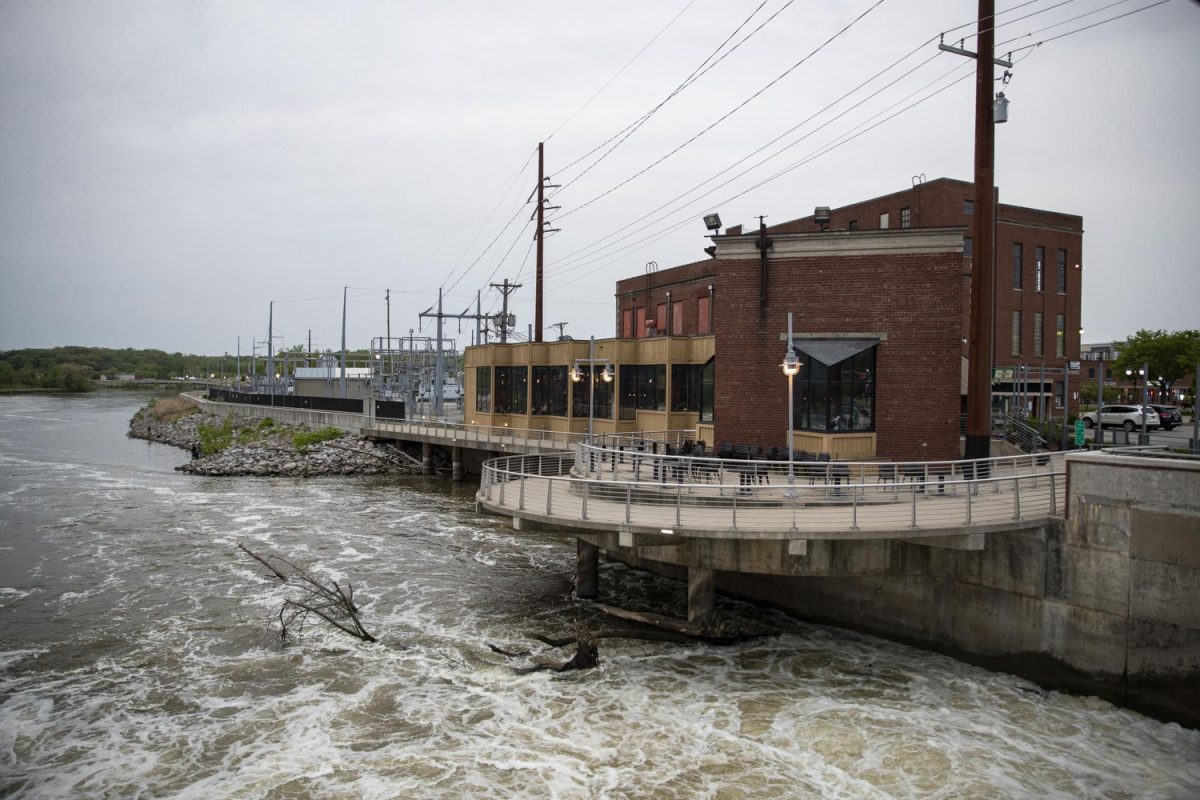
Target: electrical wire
(695, 75)
(628, 63)
(729, 113)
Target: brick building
(879, 294)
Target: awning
(832, 351)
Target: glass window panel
(483, 389)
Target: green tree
(1168, 355)
(76, 378)
(8, 375)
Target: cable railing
(607, 488)
(458, 432)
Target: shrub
(215, 438)
(301, 441)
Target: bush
(301, 441)
(215, 438)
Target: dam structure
(1080, 570)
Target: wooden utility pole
(506, 289)
(983, 256)
(537, 313)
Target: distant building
(326, 381)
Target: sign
(1073, 366)
(1078, 432)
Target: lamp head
(607, 374)
(576, 375)
(791, 364)
(712, 221)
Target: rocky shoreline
(272, 454)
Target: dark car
(1169, 416)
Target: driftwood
(330, 602)
(380, 456)
(414, 461)
(663, 629)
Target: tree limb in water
(329, 602)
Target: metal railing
(755, 499)
(500, 436)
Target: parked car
(1169, 416)
(1127, 417)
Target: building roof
(332, 373)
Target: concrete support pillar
(701, 593)
(587, 569)
(426, 458)
(456, 468)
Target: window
(906, 218)
(1016, 333)
(1060, 335)
(677, 318)
(1038, 348)
(599, 394)
(511, 386)
(853, 224)
(1091, 372)
(685, 387)
(883, 221)
(660, 318)
(483, 388)
(969, 207)
(1062, 271)
(627, 324)
(708, 389)
(550, 391)
(1016, 266)
(836, 397)
(968, 246)
(1039, 255)
(703, 316)
(639, 323)
(643, 387)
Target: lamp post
(790, 366)
(577, 376)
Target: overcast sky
(167, 169)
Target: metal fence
(616, 487)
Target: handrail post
(913, 524)
(733, 524)
(549, 494)
(1053, 495)
(969, 487)
(521, 500)
(854, 507)
(628, 500)
(678, 504)
(1016, 497)
(502, 483)
(586, 487)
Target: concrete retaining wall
(1105, 602)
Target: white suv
(1127, 417)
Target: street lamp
(790, 366)
(577, 376)
(1135, 374)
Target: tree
(1168, 355)
(76, 378)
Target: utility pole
(540, 236)
(537, 313)
(342, 389)
(983, 257)
(506, 289)
(270, 349)
(439, 368)
(560, 326)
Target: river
(137, 660)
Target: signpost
(1078, 433)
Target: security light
(712, 221)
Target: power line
(636, 56)
(729, 113)
(695, 75)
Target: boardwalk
(600, 488)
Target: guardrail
(481, 434)
(752, 499)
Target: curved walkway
(608, 488)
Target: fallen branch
(330, 602)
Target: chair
(725, 450)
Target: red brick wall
(914, 299)
(686, 284)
